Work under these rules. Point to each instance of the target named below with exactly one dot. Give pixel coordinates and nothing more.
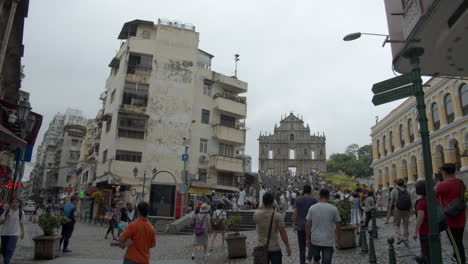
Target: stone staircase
(247, 223)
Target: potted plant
(47, 246)
(235, 241)
(348, 235)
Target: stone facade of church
(291, 149)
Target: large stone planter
(236, 245)
(46, 247)
(348, 237)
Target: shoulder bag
(457, 205)
(260, 253)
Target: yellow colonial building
(396, 142)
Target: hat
(204, 208)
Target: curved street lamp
(356, 35)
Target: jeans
(425, 252)
(129, 261)
(8, 247)
(327, 253)
(368, 218)
(301, 239)
(401, 216)
(455, 236)
(67, 231)
(276, 257)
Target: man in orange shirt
(139, 237)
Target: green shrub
(344, 208)
(233, 223)
(51, 223)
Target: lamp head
(352, 36)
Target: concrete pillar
(455, 92)
(393, 176)
(412, 174)
(420, 168)
(464, 160)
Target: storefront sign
(199, 190)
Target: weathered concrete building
(396, 141)
(161, 89)
(291, 149)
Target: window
(226, 150)
(104, 156)
(108, 124)
(207, 90)
(435, 116)
(312, 155)
(226, 179)
(402, 135)
(270, 154)
(205, 116)
(202, 175)
(464, 98)
(305, 152)
(112, 97)
(228, 121)
(146, 34)
(291, 137)
(74, 155)
(384, 142)
(132, 128)
(292, 154)
(449, 108)
(75, 142)
(130, 156)
(203, 145)
(135, 94)
(139, 64)
(85, 177)
(392, 141)
(410, 130)
(378, 148)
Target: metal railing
(177, 24)
(232, 97)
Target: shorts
(326, 253)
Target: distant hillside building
(291, 149)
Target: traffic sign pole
(413, 55)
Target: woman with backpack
(218, 224)
(202, 227)
(112, 216)
(369, 206)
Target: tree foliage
(356, 161)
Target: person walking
(50, 206)
(262, 218)
(422, 222)
(219, 225)
(369, 206)
(70, 212)
(12, 220)
(389, 210)
(300, 210)
(356, 216)
(323, 229)
(201, 230)
(401, 202)
(449, 192)
(241, 199)
(260, 197)
(139, 237)
(112, 217)
(283, 204)
(126, 217)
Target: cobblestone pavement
(89, 246)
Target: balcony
(132, 109)
(223, 163)
(231, 104)
(230, 134)
(230, 83)
(138, 74)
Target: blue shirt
(68, 210)
(302, 205)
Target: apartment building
(161, 90)
(396, 142)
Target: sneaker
(66, 250)
(193, 256)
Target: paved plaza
(90, 247)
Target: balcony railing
(228, 103)
(232, 97)
(230, 134)
(224, 163)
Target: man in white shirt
(12, 221)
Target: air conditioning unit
(203, 159)
(195, 177)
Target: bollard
(372, 256)
(375, 233)
(391, 251)
(364, 247)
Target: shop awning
(8, 136)
(225, 188)
(199, 190)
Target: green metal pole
(413, 55)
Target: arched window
(401, 133)
(464, 98)
(291, 137)
(292, 154)
(378, 149)
(449, 108)
(392, 142)
(435, 116)
(410, 130)
(313, 154)
(270, 154)
(384, 142)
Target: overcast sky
(291, 54)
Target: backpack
(217, 222)
(200, 226)
(20, 213)
(404, 200)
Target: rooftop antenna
(376, 119)
(236, 59)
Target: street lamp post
(135, 173)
